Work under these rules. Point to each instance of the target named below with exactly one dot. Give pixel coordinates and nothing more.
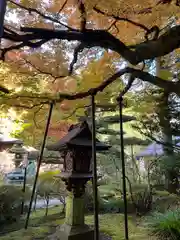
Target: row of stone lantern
(21, 157)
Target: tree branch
(121, 19)
(35, 114)
(21, 45)
(64, 4)
(127, 87)
(177, 2)
(151, 49)
(74, 111)
(77, 50)
(82, 10)
(81, 45)
(113, 24)
(40, 71)
(32, 10)
(144, 76)
(4, 89)
(29, 106)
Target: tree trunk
(164, 119)
(173, 182)
(47, 205)
(136, 173)
(35, 201)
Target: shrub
(165, 226)
(89, 198)
(142, 201)
(50, 186)
(141, 196)
(10, 203)
(115, 205)
(162, 193)
(163, 201)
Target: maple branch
(148, 31)
(25, 106)
(177, 2)
(127, 87)
(151, 49)
(132, 78)
(40, 71)
(74, 111)
(35, 114)
(4, 89)
(33, 10)
(144, 76)
(64, 4)
(80, 46)
(77, 50)
(121, 19)
(82, 10)
(21, 45)
(113, 24)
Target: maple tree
(158, 114)
(103, 35)
(93, 24)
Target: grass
(40, 226)
(113, 225)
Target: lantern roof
(4, 139)
(78, 135)
(18, 148)
(135, 141)
(116, 118)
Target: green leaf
(165, 74)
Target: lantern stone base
(68, 232)
(74, 210)
(74, 227)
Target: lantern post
(39, 163)
(94, 161)
(120, 102)
(76, 148)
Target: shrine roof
(78, 135)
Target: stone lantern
(19, 152)
(76, 150)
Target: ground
(40, 227)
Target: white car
(17, 175)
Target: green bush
(89, 199)
(115, 205)
(162, 202)
(162, 193)
(159, 187)
(142, 201)
(165, 226)
(142, 197)
(138, 187)
(10, 203)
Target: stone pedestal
(74, 210)
(74, 227)
(69, 232)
